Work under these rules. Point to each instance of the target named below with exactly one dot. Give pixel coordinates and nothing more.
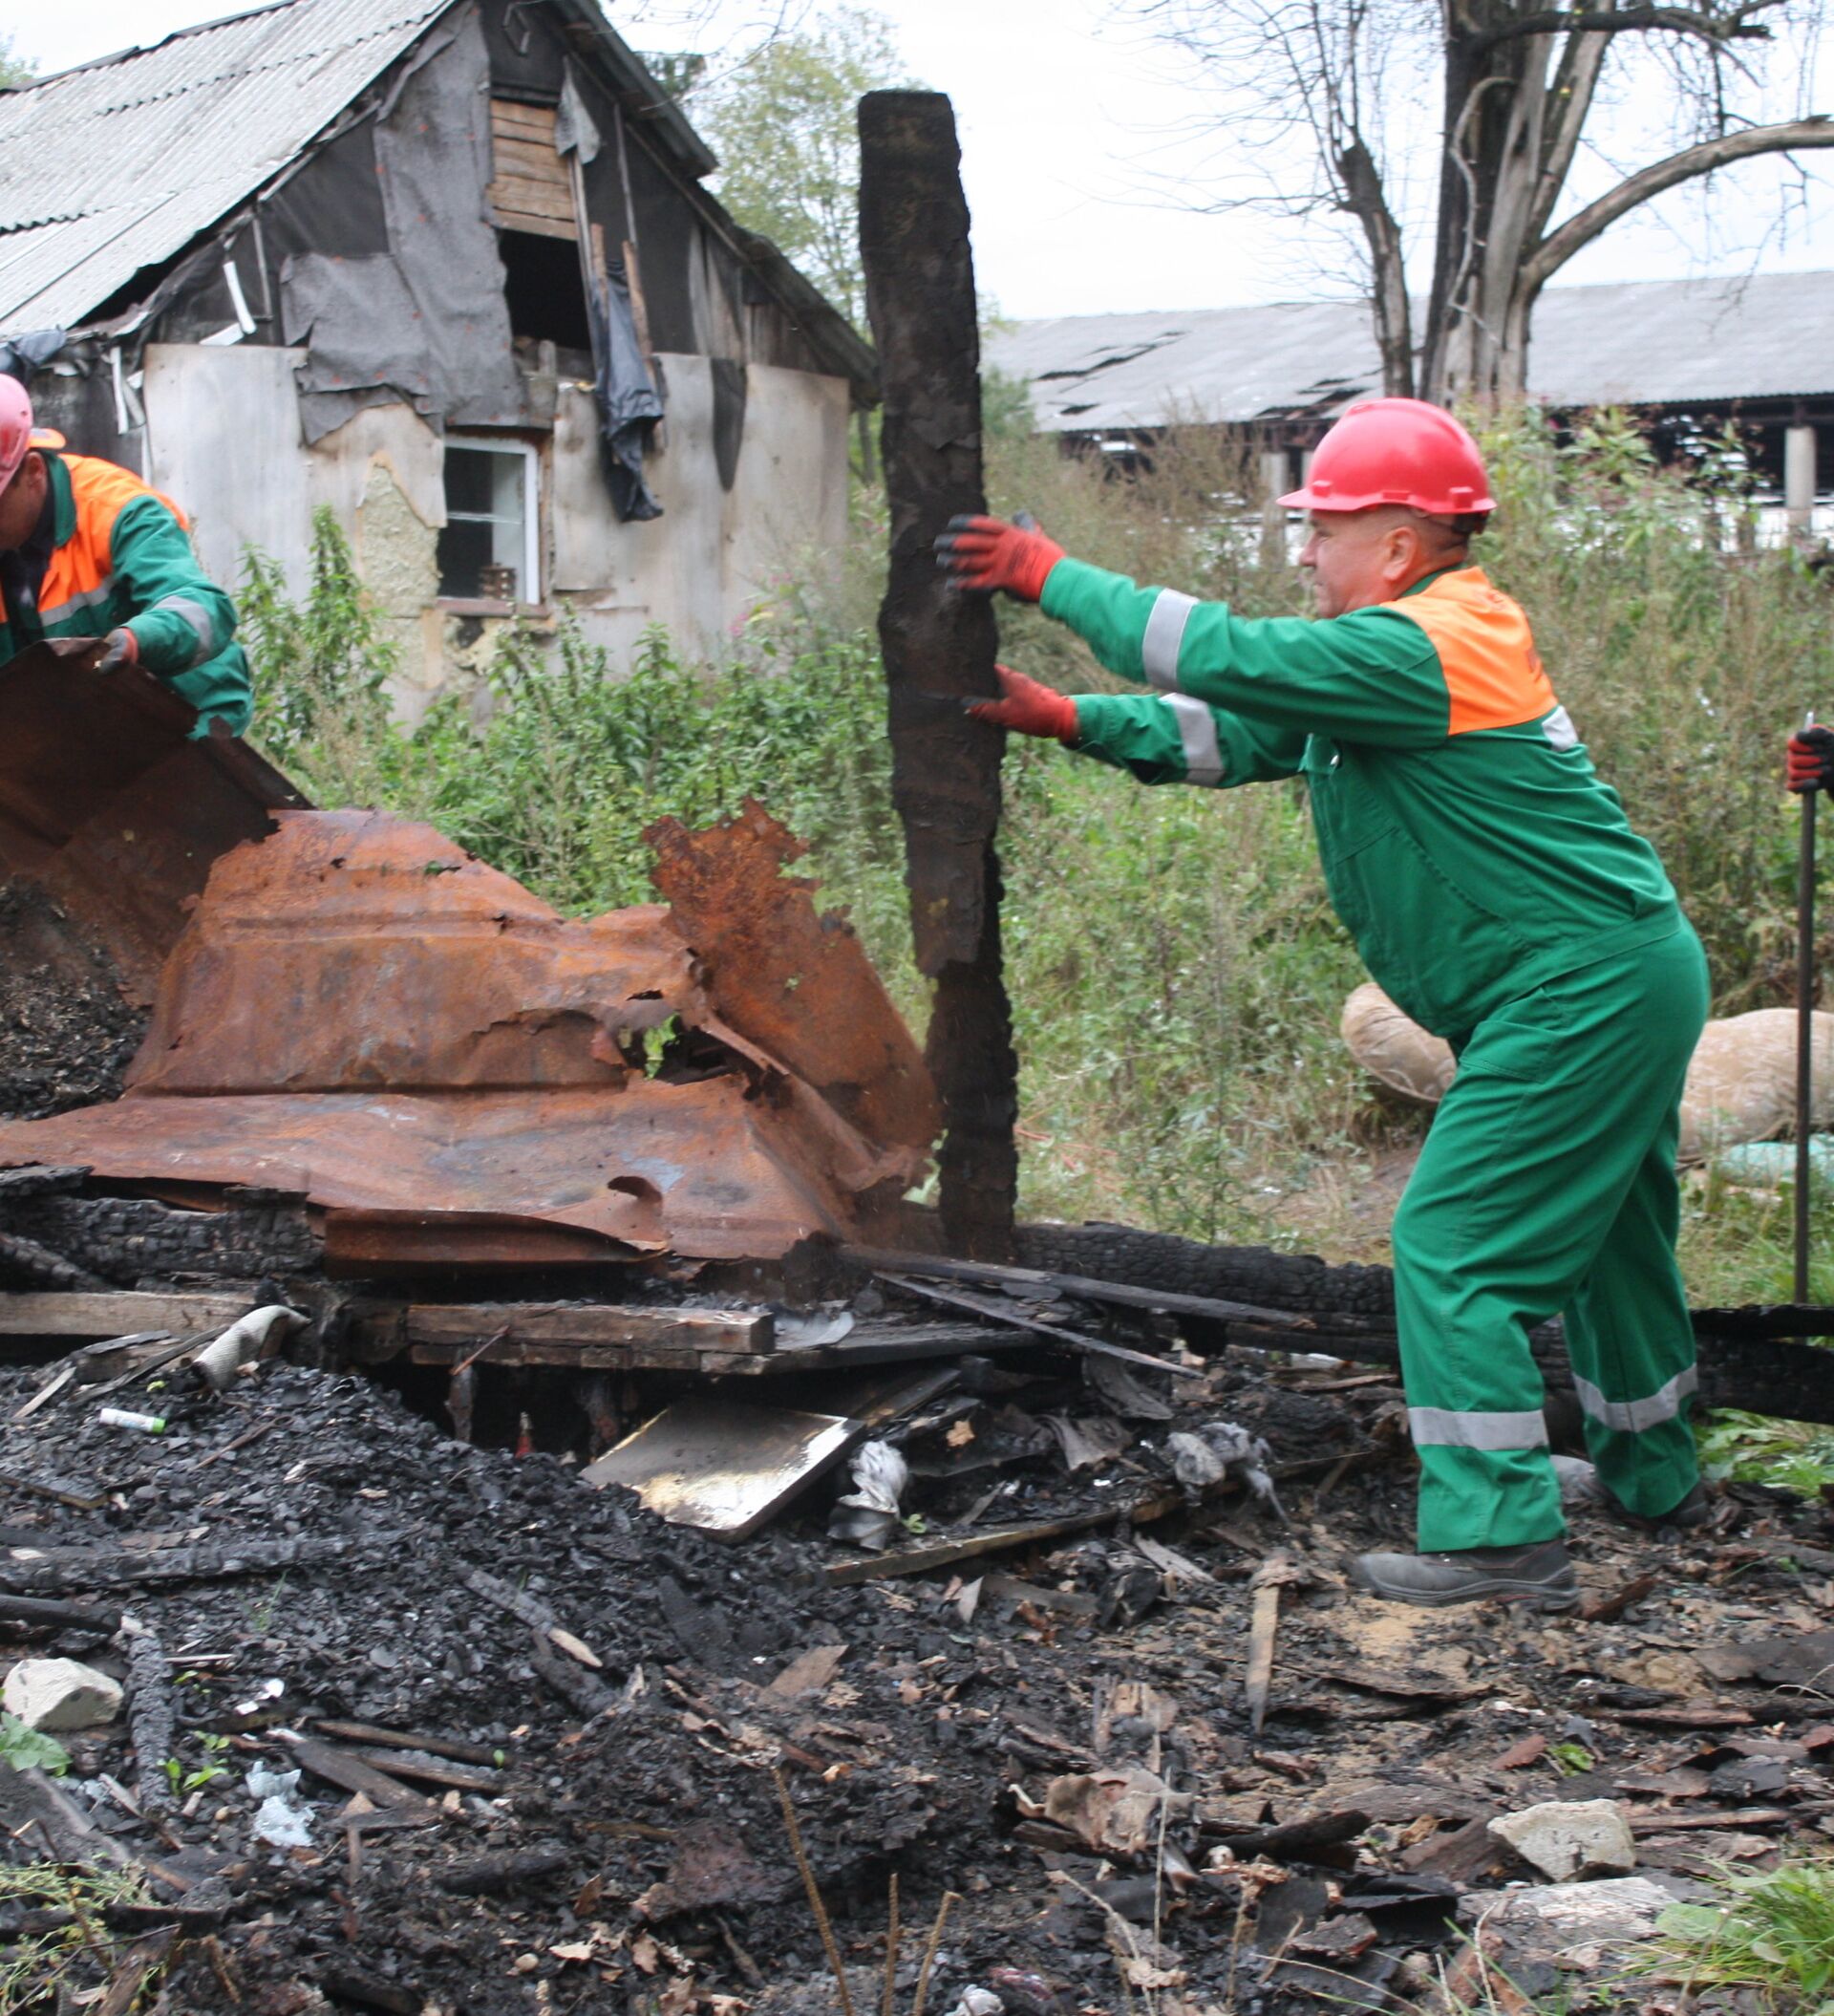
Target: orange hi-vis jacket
(120, 558)
(1469, 846)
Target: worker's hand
(986, 553)
(1811, 760)
(1028, 708)
(121, 647)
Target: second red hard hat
(1395, 452)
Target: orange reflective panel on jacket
(1493, 672)
(81, 567)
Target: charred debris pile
(359, 1716)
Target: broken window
(489, 551)
(545, 294)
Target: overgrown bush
(1175, 966)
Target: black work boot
(1538, 1574)
(1696, 1509)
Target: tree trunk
(1495, 104)
(1368, 199)
(946, 768)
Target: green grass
(38, 1970)
(1772, 1932)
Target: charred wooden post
(945, 769)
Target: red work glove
(986, 553)
(1028, 708)
(1811, 760)
(121, 647)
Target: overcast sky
(1079, 161)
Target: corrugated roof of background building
(1667, 342)
(121, 163)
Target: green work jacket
(1467, 842)
(120, 558)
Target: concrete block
(1570, 1838)
(53, 1694)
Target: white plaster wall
(703, 566)
(224, 437)
(224, 444)
(789, 498)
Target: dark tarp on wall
(629, 407)
(20, 356)
(363, 331)
(426, 320)
(333, 204)
(730, 388)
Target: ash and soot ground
(1065, 1747)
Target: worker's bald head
(22, 501)
(1358, 559)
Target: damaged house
(451, 272)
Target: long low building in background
(1689, 356)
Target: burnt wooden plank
(1749, 1357)
(1086, 1287)
(435, 1744)
(516, 1333)
(946, 768)
(116, 1312)
(351, 1773)
(945, 1552)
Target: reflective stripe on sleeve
(85, 598)
(199, 617)
(1630, 1417)
(1442, 1427)
(1164, 633)
(1197, 732)
(1558, 727)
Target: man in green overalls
(1496, 890)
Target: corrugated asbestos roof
(119, 164)
(1665, 342)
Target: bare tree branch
(1735, 26)
(1569, 101)
(1365, 197)
(1692, 163)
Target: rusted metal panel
(355, 951)
(793, 981)
(108, 807)
(454, 1075)
(700, 1170)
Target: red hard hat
(1395, 452)
(15, 427)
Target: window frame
(529, 573)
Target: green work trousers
(1548, 1185)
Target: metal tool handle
(1805, 1026)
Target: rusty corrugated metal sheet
(108, 807)
(362, 1014)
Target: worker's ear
(1402, 550)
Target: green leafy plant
(30, 1749)
(1771, 1931)
(183, 1781)
(1570, 1758)
(321, 668)
(1790, 1455)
